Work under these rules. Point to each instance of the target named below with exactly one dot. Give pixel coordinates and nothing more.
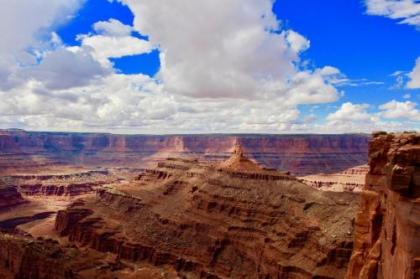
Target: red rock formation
(352, 180)
(387, 228)
(26, 258)
(358, 170)
(58, 190)
(9, 197)
(72, 184)
(299, 154)
(238, 162)
(213, 222)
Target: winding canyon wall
(387, 227)
(299, 154)
(352, 180)
(9, 196)
(230, 221)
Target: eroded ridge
(352, 180)
(9, 196)
(22, 151)
(71, 184)
(387, 228)
(28, 258)
(228, 220)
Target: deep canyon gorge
(209, 206)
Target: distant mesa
(302, 155)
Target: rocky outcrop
(72, 184)
(351, 180)
(299, 154)
(9, 197)
(10, 225)
(86, 175)
(27, 258)
(238, 162)
(387, 227)
(218, 221)
(73, 189)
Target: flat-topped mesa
(69, 184)
(23, 152)
(352, 180)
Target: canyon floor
(195, 217)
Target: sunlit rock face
(197, 206)
(387, 227)
(351, 180)
(231, 219)
(299, 154)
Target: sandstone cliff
(229, 220)
(387, 227)
(351, 180)
(69, 184)
(9, 196)
(27, 258)
(299, 154)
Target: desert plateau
(207, 213)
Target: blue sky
(340, 66)
(362, 46)
(341, 34)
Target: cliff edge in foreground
(387, 228)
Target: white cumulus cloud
(219, 49)
(112, 27)
(113, 40)
(414, 76)
(350, 112)
(24, 24)
(392, 116)
(406, 11)
(62, 69)
(226, 66)
(398, 110)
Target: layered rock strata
(352, 180)
(299, 154)
(218, 221)
(387, 227)
(27, 258)
(9, 197)
(73, 189)
(73, 184)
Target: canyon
(81, 206)
(200, 219)
(299, 154)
